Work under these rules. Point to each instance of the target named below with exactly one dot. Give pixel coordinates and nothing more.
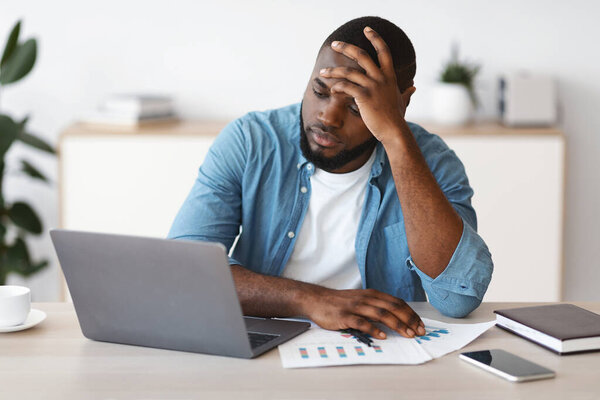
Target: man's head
(333, 135)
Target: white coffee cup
(15, 305)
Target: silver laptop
(168, 294)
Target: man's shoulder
(428, 142)
(263, 126)
(259, 134)
(279, 119)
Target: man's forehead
(330, 58)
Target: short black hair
(403, 52)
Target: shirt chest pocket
(395, 230)
(392, 248)
(390, 251)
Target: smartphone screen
(507, 365)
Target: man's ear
(408, 92)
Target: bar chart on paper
(431, 334)
(346, 347)
(442, 338)
(319, 347)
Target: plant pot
(451, 104)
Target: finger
(402, 318)
(400, 322)
(400, 309)
(383, 315)
(350, 74)
(359, 93)
(359, 56)
(360, 323)
(383, 51)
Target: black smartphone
(507, 365)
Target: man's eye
(354, 109)
(319, 95)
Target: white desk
(54, 361)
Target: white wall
(220, 60)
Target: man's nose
(331, 115)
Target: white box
(528, 100)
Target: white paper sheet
(319, 347)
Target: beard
(334, 162)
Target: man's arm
(212, 212)
(268, 296)
(434, 229)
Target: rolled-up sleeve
(212, 210)
(460, 288)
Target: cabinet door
(518, 184)
(128, 184)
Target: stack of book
(133, 110)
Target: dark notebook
(562, 328)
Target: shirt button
(303, 189)
(298, 166)
(291, 234)
(309, 167)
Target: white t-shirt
(324, 252)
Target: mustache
(322, 128)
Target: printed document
(319, 347)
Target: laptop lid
(169, 294)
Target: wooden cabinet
(133, 182)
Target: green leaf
(35, 142)
(34, 268)
(9, 130)
(32, 171)
(24, 216)
(20, 63)
(17, 256)
(11, 43)
(32, 140)
(2, 230)
(23, 123)
(18, 260)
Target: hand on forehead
(329, 58)
(362, 57)
(349, 70)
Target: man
(347, 210)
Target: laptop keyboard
(258, 339)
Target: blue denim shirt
(255, 177)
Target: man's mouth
(323, 139)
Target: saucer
(34, 318)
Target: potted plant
(454, 96)
(18, 219)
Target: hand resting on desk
(268, 296)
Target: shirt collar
(379, 160)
